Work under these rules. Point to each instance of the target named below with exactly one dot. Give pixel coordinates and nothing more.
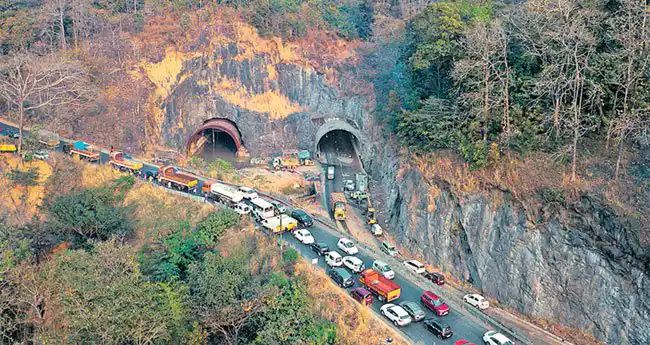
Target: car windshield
(390, 247)
(348, 245)
(437, 302)
(404, 317)
(385, 268)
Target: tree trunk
(61, 26)
(21, 122)
(486, 99)
(556, 113)
(621, 142)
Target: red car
(463, 342)
(434, 303)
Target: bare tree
(31, 82)
(483, 75)
(630, 31)
(58, 9)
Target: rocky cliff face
(578, 264)
(272, 92)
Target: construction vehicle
(304, 157)
(7, 147)
(121, 162)
(174, 178)
(288, 160)
(371, 218)
(358, 196)
(84, 151)
(385, 289)
(338, 203)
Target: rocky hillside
(572, 260)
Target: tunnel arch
(334, 125)
(224, 125)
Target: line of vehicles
(374, 282)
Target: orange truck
(121, 162)
(173, 177)
(385, 289)
(83, 150)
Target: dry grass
(22, 202)
(356, 324)
(157, 212)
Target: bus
(262, 209)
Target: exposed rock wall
(275, 105)
(580, 264)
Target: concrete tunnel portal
(337, 141)
(216, 138)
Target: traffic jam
(369, 282)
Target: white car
(388, 248)
(242, 209)
(476, 300)
(347, 246)
(42, 155)
(415, 266)
(353, 263)
(383, 269)
(333, 259)
(395, 313)
(249, 193)
(376, 230)
(304, 236)
(496, 338)
(349, 185)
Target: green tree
(92, 214)
(103, 298)
(434, 125)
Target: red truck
(385, 289)
(173, 177)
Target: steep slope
(578, 262)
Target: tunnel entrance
(216, 138)
(339, 147)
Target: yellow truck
(7, 147)
(338, 205)
(370, 213)
(280, 223)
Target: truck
(338, 205)
(362, 182)
(371, 218)
(83, 150)
(225, 194)
(174, 178)
(279, 223)
(385, 289)
(304, 157)
(330, 172)
(290, 159)
(121, 162)
(7, 147)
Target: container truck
(172, 177)
(338, 203)
(121, 162)
(85, 151)
(385, 289)
(280, 223)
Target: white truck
(225, 194)
(279, 223)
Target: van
(383, 269)
(333, 259)
(330, 172)
(341, 277)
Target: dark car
(439, 329)
(341, 277)
(302, 217)
(362, 295)
(320, 248)
(435, 277)
(417, 314)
